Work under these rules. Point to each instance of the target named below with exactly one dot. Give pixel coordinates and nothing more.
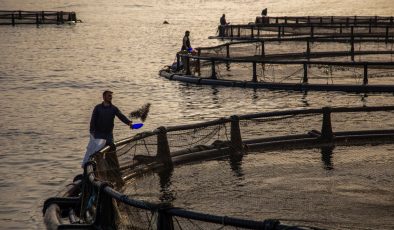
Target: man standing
(102, 121)
(223, 23)
(186, 42)
(101, 128)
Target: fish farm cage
(351, 54)
(310, 26)
(18, 17)
(355, 65)
(102, 197)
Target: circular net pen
(310, 26)
(355, 65)
(295, 169)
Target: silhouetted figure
(263, 19)
(264, 12)
(186, 42)
(222, 25)
(101, 127)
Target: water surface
(52, 76)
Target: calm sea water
(52, 76)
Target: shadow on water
(326, 157)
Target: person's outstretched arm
(122, 117)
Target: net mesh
(302, 179)
(296, 61)
(198, 137)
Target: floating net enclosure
(18, 17)
(294, 169)
(310, 26)
(330, 53)
(361, 65)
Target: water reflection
(215, 96)
(304, 99)
(165, 176)
(364, 100)
(326, 157)
(235, 161)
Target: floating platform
(19, 17)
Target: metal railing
(16, 17)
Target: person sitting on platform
(264, 12)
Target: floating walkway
(89, 202)
(19, 17)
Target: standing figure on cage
(222, 25)
(101, 128)
(186, 42)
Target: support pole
(13, 19)
(105, 211)
(163, 149)
(326, 130)
(308, 50)
(87, 189)
(198, 62)
(164, 220)
(178, 64)
(188, 72)
(57, 18)
(365, 80)
(352, 43)
(254, 72)
(236, 139)
(387, 34)
(312, 31)
(305, 78)
(61, 17)
(213, 71)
